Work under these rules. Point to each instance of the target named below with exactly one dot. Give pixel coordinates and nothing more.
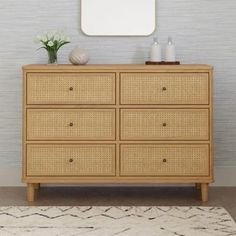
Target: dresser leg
(30, 192)
(198, 186)
(36, 186)
(204, 192)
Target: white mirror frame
(118, 17)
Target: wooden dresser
(117, 124)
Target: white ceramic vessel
(78, 56)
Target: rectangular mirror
(118, 17)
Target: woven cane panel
(70, 160)
(164, 160)
(164, 124)
(72, 124)
(71, 88)
(164, 88)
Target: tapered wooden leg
(198, 186)
(204, 192)
(30, 192)
(36, 186)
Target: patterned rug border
(64, 206)
(173, 206)
(116, 220)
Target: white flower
(62, 37)
(57, 37)
(44, 39)
(49, 35)
(50, 43)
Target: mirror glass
(118, 17)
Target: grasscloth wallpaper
(204, 32)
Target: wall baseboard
(224, 176)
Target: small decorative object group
(52, 42)
(156, 53)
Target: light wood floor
(121, 196)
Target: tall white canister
(170, 54)
(155, 53)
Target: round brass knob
(71, 124)
(164, 89)
(164, 160)
(164, 124)
(71, 160)
(71, 88)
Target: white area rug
(121, 221)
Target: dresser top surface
(69, 67)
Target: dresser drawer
(71, 88)
(71, 124)
(164, 88)
(164, 160)
(164, 124)
(70, 160)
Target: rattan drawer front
(164, 88)
(164, 160)
(71, 124)
(71, 88)
(70, 160)
(164, 124)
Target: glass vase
(52, 57)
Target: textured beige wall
(204, 32)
